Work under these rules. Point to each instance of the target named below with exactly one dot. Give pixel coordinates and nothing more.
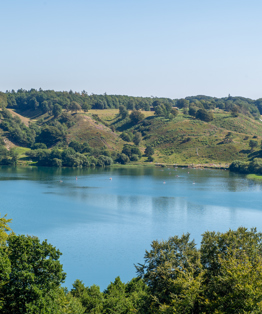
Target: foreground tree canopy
(223, 275)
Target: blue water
(103, 226)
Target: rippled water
(103, 226)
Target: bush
(123, 159)
(39, 146)
(204, 115)
(134, 157)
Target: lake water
(103, 226)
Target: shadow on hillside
(32, 114)
(125, 126)
(257, 154)
(245, 151)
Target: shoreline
(254, 177)
(147, 164)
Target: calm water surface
(103, 226)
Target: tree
(163, 109)
(253, 144)
(172, 272)
(131, 105)
(76, 146)
(182, 103)
(3, 100)
(85, 107)
(204, 115)
(234, 111)
(192, 111)
(74, 107)
(123, 159)
(35, 273)
(156, 103)
(4, 228)
(137, 138)
(136, 116)
(123, 112)
(232, 264)
(126, 137)
(57, 110)
(149, 151)
(174, 112)
(50, 135)
(91, 298)
(159, 111)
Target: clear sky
(169, 48)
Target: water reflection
(104, 225)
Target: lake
(104, 226)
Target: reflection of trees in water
(172, 209)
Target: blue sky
(133, 47)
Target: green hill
(44, 124)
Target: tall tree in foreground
(223, 276)
(35, 275)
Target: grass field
(254, 177)
(110, 115)
(96, 134)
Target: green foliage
(57, 110)
(123, 112)
(204, 115)
(137, 138)
(163, 109)
(76, 155)
(44, 101)
(254, 166)
(166, 263)
(50, 135)
(136, 116)
(223, 276)
(39, 146)
(3, 100)
(126, 137)
(4, 228)
(149, 151)
(174, 112)
(132, 152)
(117, 298)
(182, 103)
(18, 132)
(74, 106)
(35, 273)
(123, 159)
(193, 110)
(253, 144)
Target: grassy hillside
(188, 140)
(181, 140)
(96, 134)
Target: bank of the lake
(254, 177)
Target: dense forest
(49, 100)
(223, 275)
